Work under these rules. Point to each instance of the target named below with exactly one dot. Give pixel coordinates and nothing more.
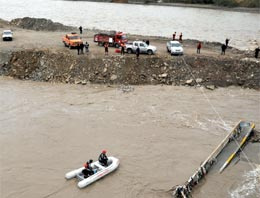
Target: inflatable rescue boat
(100, 171)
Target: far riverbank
(185, 5)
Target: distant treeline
(228, 3)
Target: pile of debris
(255, 137)
(40, 24)
(45, 65)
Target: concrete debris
(113, 77)
(210, 87)
(189, 81)
(199, 80)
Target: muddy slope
(45, 65)
(39, 24)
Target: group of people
(122, 50)
(223, 47)
(174, 36)
(88, 169)
(80, 48)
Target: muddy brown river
(160, 134)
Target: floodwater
(204, 24)
(161, 134)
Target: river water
(161, 134)
(204, 24)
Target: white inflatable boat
(100, 171)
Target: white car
(174, 47)
(7, 35)
(144, 48)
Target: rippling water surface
(160, 134)
(205, 24)
(249, 186)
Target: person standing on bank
(87, 47)
(173, 36)
(180, 38)
(223, 49)
(78, 48)
(80, 29)
(106, 48)
(122, 48)
(82, 48)
(227, 41)
(257, 52)
(198, 48)
(137, 53)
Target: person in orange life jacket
(103, 158)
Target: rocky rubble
(45, 65)
(39, 24)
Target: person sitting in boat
(88, 169)
(103, 158)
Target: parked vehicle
(113, 38)
(71, 40)
(174, 47)
(144, 48)
(7, 35)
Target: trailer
(113, 38)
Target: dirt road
(30, 39)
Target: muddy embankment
(46, 65)
(39, 24)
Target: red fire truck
(113, 38)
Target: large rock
(113, 77)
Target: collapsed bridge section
(219, 159)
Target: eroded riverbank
(45, 65)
